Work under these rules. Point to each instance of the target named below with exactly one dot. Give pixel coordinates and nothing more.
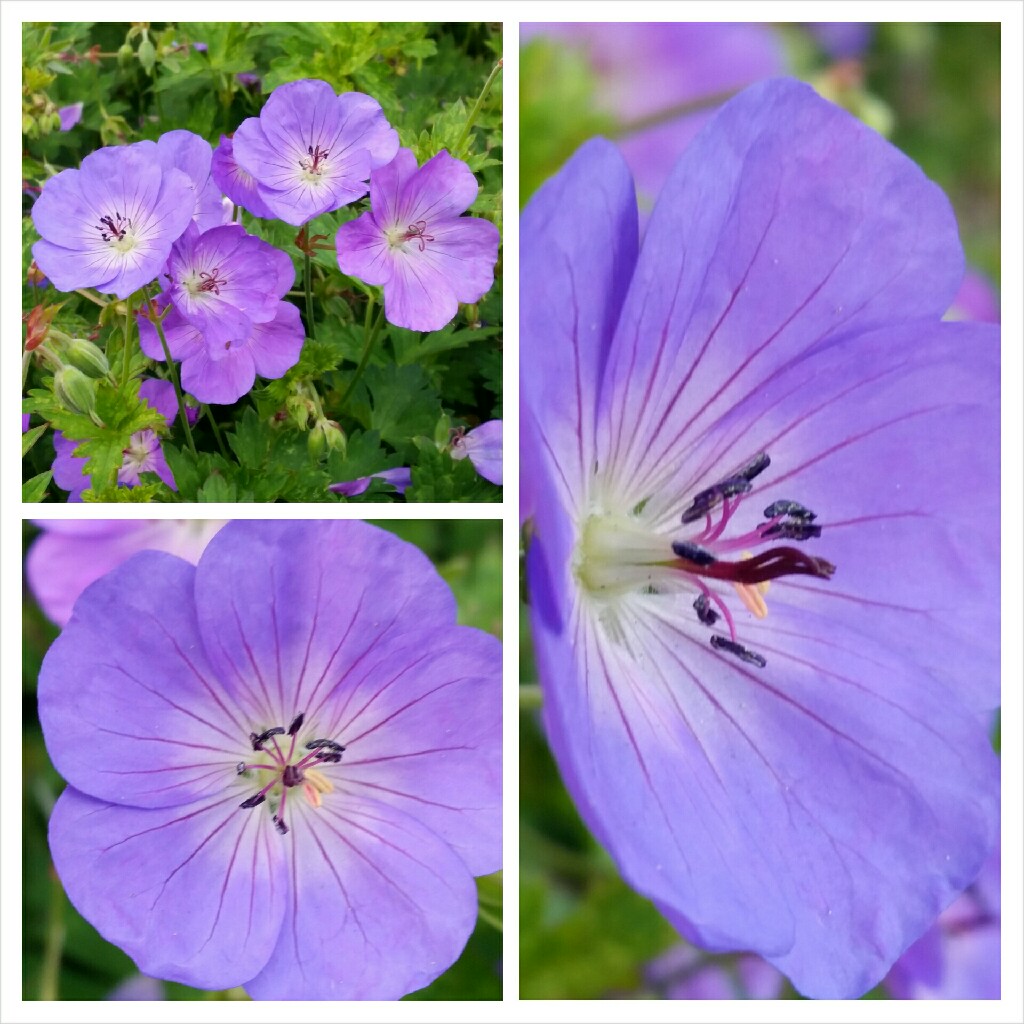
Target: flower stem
(216, 432)
(371, 332)
(102, 303)
(127, 343)
(671, 113)
(54, 942)
(173, 370)
(308, 282)
(530, 697)
(474, 113)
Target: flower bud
(87, 357)
(316, 441)
(147, 55)
(335, 436)
(125, 54)
(74, 390)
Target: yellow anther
(312, 795)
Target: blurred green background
(934, 90)
(64, 956)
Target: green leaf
(30, 438)
(397, 401)
(439, 477)
(217, 489)
(34, 489)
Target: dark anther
(292, 776)
(738, 482)
(253, 801)
(329, 758)
(325, 744)
(706, 614)
(240, 767)
(280, 825)
(296, 723)
(692, 552)
(733, 486)
(790, 530)
(258, 741)
(721, 643)
(788, 508)
(755, 467)
(702, 503)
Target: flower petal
(380, 906)
(786, 225)
(194, 894)
(144, 721)
(219, 381)
(393, 713)
(318, 596)
(819, 811)
(276, 345)
(442, 189)
(579, 240)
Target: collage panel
(760, 723)
(261, 262)
(264, 759)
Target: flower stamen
(288, 774)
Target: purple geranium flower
(236, 182)
(311, 150)
(399, 478)
(414, 242)
(72, 553)
(275, 779)
(111, 224)
(801, 771)
(223, 281)
(144, 454)
(70, 116)
(482, 446)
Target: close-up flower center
(204, 282)
(314, 163)
(397, 236)
(117, 231)
(276, 771)
(621, 554)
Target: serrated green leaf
(34, 489)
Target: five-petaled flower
(415, 242)
(227, 320)
(310, 150)
(110, 225)
(283, 763)
(764, 479)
